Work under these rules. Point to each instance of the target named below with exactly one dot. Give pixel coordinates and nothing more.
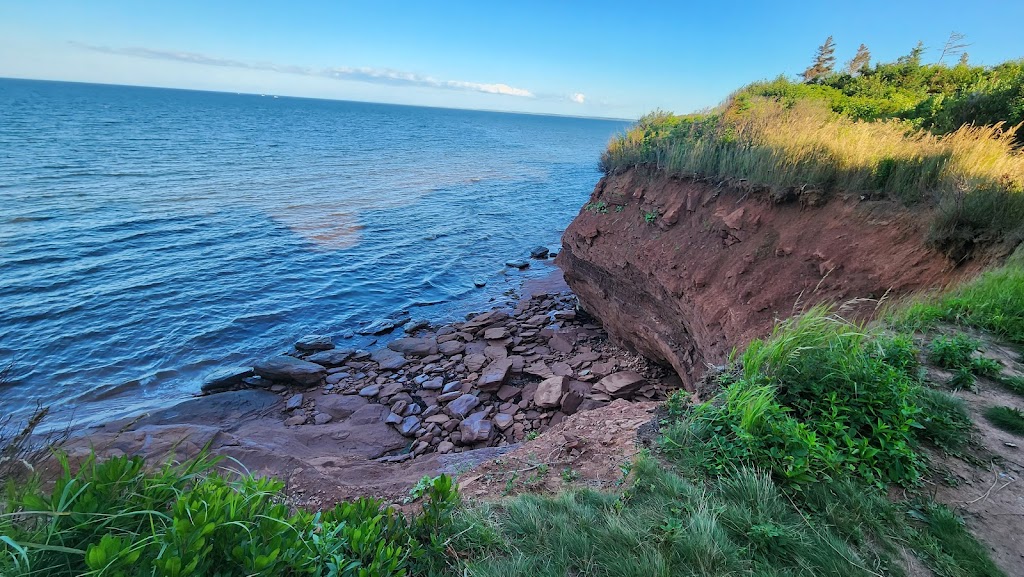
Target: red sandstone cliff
(717, 266)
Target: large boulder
(291, 370)
(621, 384)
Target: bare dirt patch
(986, 486)
(592, 449)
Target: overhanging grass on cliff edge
(974, 175)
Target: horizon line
(525, 113)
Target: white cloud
(361, 74)
(578, 97)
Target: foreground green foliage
(117, 518)
(946, 136)
(738, 523)
(993, 302)
(820, 399)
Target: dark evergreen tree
(860, 61)
(914, 58)
(824, 61)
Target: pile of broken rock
(488, 381)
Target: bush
(817, 400)
(115, 517)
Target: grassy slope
(943, 136)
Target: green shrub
(816, 400)
(952, 352)
(115, 517)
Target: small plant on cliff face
(600, 207)
(651, 215)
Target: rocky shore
(336, 423)
(492, 380)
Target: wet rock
(409, 426)
(484, 319)
(519, 264)
(479, 283)
(388, 359)
(331, 358)
(225, 378)
(475, 429)
(413, 346)
(393, 418)
(462, 405)
(416, 325)
(539, 252)
(494, 376)
(314, 343)
(290, 370)
(549, 392)
(382, 326)
(621, 384)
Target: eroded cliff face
(682, 271)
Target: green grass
(1012, 384)
(1008, 419)
(994, 302)
(739, 523)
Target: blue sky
(613, 59)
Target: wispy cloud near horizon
(360, 74)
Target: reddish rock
(621, 384)
(549, 392)
(494, 376)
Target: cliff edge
(683, 270)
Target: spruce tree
(861, 60)
(914, 58)
(824, 61)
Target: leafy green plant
(569, 475)
(952, 352)
(651, 215)
(532, 435)
(599, 207)
(1008, 419)
(117, 517)
(815, 400)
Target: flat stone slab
(283, 368)
(621, 384)
(332, 357)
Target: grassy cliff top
(936, 135)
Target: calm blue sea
(150, 236)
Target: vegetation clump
(942, 135)
(118, 518)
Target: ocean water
(151, 236)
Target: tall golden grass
(974, 175)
